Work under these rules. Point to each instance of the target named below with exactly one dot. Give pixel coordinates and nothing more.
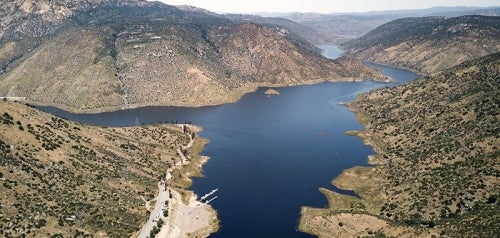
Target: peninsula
(61, 178)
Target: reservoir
(269, 154)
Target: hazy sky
(323, 6)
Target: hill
(437, 164)
(89, 56)
(296, 30)
(429, 44)
(64, 178)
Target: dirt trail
(182, 219)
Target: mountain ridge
(146, 53)
(429, 44)
(338, 28)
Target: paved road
(163, 196)
(157, 211)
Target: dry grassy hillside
(61, 178)
(104, 55)
(437, 164)
(429, 44)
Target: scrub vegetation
(437, 164)
(60, 178)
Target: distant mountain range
(297, 31)
(429, 44)
(340, 27)
(95, 55)
(433, 11)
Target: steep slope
(106, 55)
(60, 177)
(289, 26)
(437, 164)
(295, 30)
(25, 24)
(429, 44)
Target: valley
(92, 93)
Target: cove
(269, 154)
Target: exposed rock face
(25, 24)
(271, 91)
(429, 44)
(106, 55)
(262, 55)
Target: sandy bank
(182, 214)
(194, 219)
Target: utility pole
(79, 217)
(125, 171)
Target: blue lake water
(269, 154)
(331, 51)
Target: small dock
(204, 197)
(207, 202)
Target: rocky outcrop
(284, 25)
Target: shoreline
(240, 92)
(348, 216)
(194, 219)
(185, 216)
(424, 160)
(422, 74)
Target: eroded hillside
(437, 163)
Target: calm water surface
(269, 155)
(331, 51)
